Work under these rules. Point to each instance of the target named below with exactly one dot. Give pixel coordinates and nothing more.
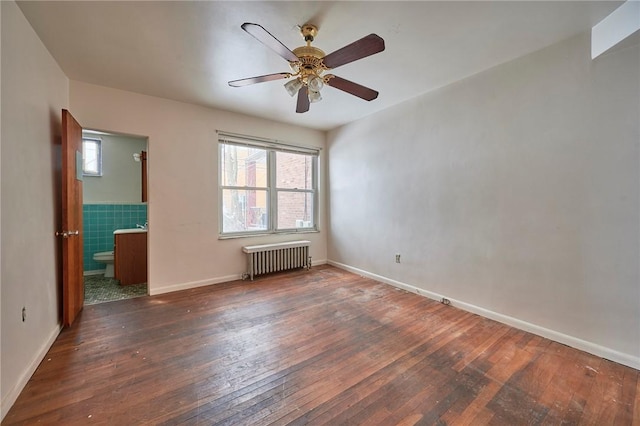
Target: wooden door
(72, 262)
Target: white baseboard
(193, 284)
(201, 283)
(94, 272)
(11, 396)
(574, 342)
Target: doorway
(114, 201)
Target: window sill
(268, 234)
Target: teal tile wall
(99, 222)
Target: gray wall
(34, 90)
(514, 192)
(121, 179)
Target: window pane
(295, 210)
(294, 171)
(243, 166)
(244, 210)
(91, 156)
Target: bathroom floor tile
(98, 289)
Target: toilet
(105, 257)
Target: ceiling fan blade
(266, 38)
(362, 48)
(352, 88)
(303, 100)
(260, 79)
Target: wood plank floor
(319, 347)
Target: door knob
(67, 234)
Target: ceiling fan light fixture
(315, 83)
(314, 96)
(293, 86)
(295, 67)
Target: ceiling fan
(309, 64)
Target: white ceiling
(188, 50)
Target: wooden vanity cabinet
(130, 258)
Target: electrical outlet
(24, 313)
(397, 258)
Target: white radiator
(268, 258)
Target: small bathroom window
(91, 157)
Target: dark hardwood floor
(319, 347)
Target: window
(91, 157)
(266, 187)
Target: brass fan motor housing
(309, 57)
(303, 51)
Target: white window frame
(98, 142)
(271, 147)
